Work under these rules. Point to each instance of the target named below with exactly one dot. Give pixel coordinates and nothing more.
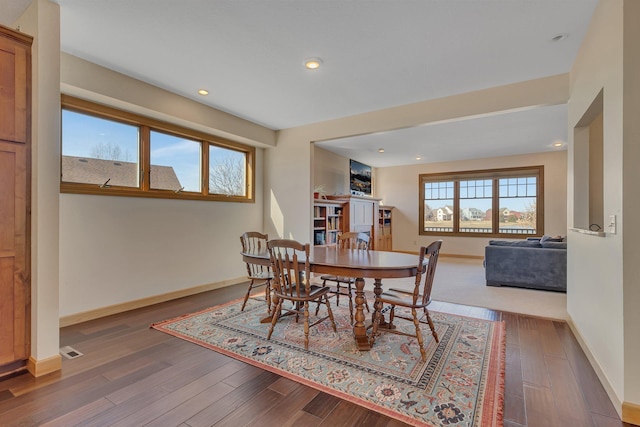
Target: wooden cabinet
(360, 215)
(15, 287)
(327, 222)
(384, 240)
(15, 74)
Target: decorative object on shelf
(319, 192)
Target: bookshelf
(384, 240)
(327, 222)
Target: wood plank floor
(131, 375)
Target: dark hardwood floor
(131, 375)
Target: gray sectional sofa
(532, 263)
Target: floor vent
(70, 353)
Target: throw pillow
(551, 239)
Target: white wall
(114, 250)
(398, 187)
(330, 170)
(603, 290)
(119, 249)
(631, 204)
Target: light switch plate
(612, 224)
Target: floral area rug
(460, 384)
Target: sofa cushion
(518, 243)
(554, 245)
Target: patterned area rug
(460, 384)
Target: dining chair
(348, 240)
(259, 275)
(290, 265)
(420, 298)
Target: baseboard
(38, 368)
(462, 256)
(631, 413)
(97, 313)
(617, 402)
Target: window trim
(146, 125)
(494, 175)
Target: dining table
(359, 264)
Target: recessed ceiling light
(380, 150)
(418, 158)
(312, 63)
(557, 144)
(559, 37)
(203, 92)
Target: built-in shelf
(589, 232)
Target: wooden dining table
(359, 264)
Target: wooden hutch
(346, 213)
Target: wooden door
(14, 274)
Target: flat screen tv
(360, 178)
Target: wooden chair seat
(401, 297)
(264, 275)
(315, 291)
(340, 279)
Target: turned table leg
(359, 328)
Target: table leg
(359, 329)
(377, 306)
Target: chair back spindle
(353, 240)
(430, 253)
(254, 242)
(258, 274)
(412, 300)
(291, 268)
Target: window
(99, 151)
(227, 172)
(175, 163)
(500, 202)
(110, 152)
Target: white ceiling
(376, 54)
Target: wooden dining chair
(259, 275)
(420, 298)
(290, 264)
(348, 240)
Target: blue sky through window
(182, 154)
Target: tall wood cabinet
(360, 214)
(15, 173)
